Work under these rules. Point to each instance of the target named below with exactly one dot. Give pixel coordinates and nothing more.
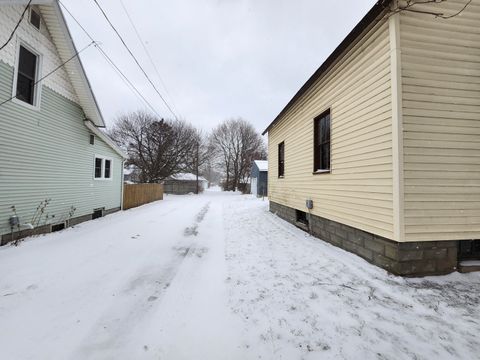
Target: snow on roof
(187, 177)
(262, 165)
(129, 169)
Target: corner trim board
(397, 129)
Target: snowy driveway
(217, 276)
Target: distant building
(184, 183)
(259, 176)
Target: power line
(134, 58)
(16, 26)
(148, 54)
(123, 77)
(54, 70)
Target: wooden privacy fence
(138, 194)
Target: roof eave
(61, 34)
(94, 129)
(378, 9)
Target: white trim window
(35, 19)
(26, 90)
(102, 168)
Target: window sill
(281, 177)
(319, 172)
(35, 107)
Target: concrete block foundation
(45, 229)
(405, 259)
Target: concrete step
(467, 266)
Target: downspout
(122, 184)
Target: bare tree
(412, 6)
(235, 144)
(199, 156)
(158, 148)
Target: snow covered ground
(217, 276)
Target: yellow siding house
(379, 151)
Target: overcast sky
(218, 58)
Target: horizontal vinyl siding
(46, 154)
(441, 122)
(358, 191)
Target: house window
(322, 142)
(107, 172)
(35, 18)
(103, 168)
(281, 159)
(98, 168)
(26, 76)
(92, 139)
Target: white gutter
(91, 126)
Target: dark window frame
(26, 75)
(281, 159)
(107, 170)
(35, 19)
(322, 142)
(98, 169)
(301, 217)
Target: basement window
(103, 168)
(469, 250)
(26, 76)
(58, 227)
(301, 217)
(35, 19)
(97, 213)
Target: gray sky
(217, 58)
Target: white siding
(45, 151)
(40, 41)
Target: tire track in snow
(130, 309)
(193, 230)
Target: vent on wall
(58, 227)
(97, 213)
(35, 18)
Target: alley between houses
(217, 276)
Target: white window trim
(30, 17)
(37, 94)
(103, 178)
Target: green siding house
(56, 167)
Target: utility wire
(54, 70)
(16, 26)
(148, 54)
(134, 58)
(123, 77)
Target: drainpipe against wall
(122, 184)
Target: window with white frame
(35, 18)
(102, 168)
(26, 76)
